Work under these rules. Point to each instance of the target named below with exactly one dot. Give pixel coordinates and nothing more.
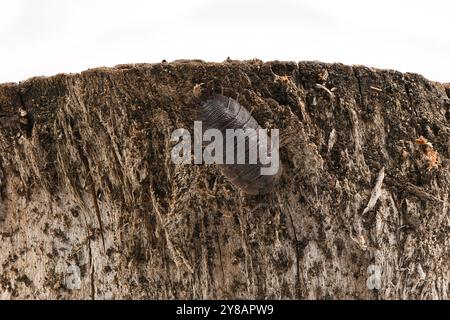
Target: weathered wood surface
(92, 207)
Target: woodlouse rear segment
(222, 113)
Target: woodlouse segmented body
(222, 113)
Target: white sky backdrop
(45, 37)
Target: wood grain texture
(91, 206)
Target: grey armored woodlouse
(220, 112)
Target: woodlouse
(222, 113)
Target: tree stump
(91, 206)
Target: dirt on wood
(92, 207)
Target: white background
(45, 37)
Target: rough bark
(92, 207)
